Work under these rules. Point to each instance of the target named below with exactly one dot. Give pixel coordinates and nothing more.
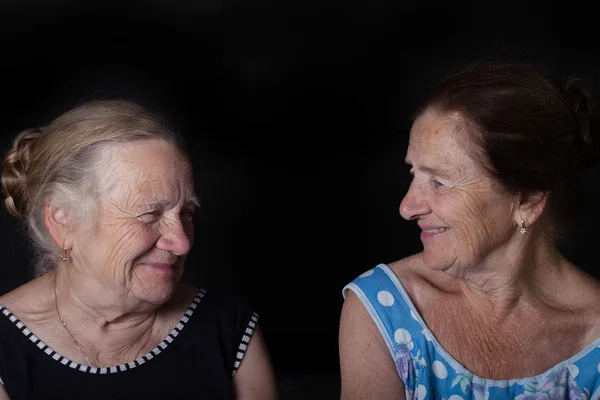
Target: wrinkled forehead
(438, 139)
(149, 165)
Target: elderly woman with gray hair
(107, 195)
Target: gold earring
(523, 229)
(64, 255)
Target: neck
(527, 271)
(103, 326)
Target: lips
(430, 234)
(435, 230)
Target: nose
(176, 238)
(414, 204)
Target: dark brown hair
(531, 133)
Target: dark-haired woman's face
(465, 217)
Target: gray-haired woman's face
(143, 230)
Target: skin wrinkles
(503, 304)
(139, 187)
(107, 286)
(515, 290)
(465, 200)
(123, 228)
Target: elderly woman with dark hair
(490, 308)
(106, 192)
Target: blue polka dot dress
(429, 372)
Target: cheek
(468, 216)
(141, 239)
(128, 241)
(500, 216)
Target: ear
(530, 207)
(58, 223)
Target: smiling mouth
(437, 230)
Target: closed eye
(437, 183)
(150, 217)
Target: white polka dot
(573, 370)
(421, 392)
(367, 273)
(402, 336)
(385, 298)
(412, 314)
(598, 367)
(427, 335)
(455, 397)
(439, 370)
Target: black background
(297, 115)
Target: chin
(157, 294)
(156, 288)
(435, 259)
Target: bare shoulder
(408, 269)
(255, 378)
(409, 272)
(358, 332)
(425, 287)
(29, 299)
(581, 293)
(367, 368)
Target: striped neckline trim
(116, 368)
(244, 342)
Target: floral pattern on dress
(467, 386)
(429, 372)
(408, 367)
(559, 385)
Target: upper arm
(367, 368)
(3, 394)
(255, 378)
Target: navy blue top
(196, 360)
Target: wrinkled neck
(525, 271)
(99, 317)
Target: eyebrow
(430, 170)
(191, 200)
